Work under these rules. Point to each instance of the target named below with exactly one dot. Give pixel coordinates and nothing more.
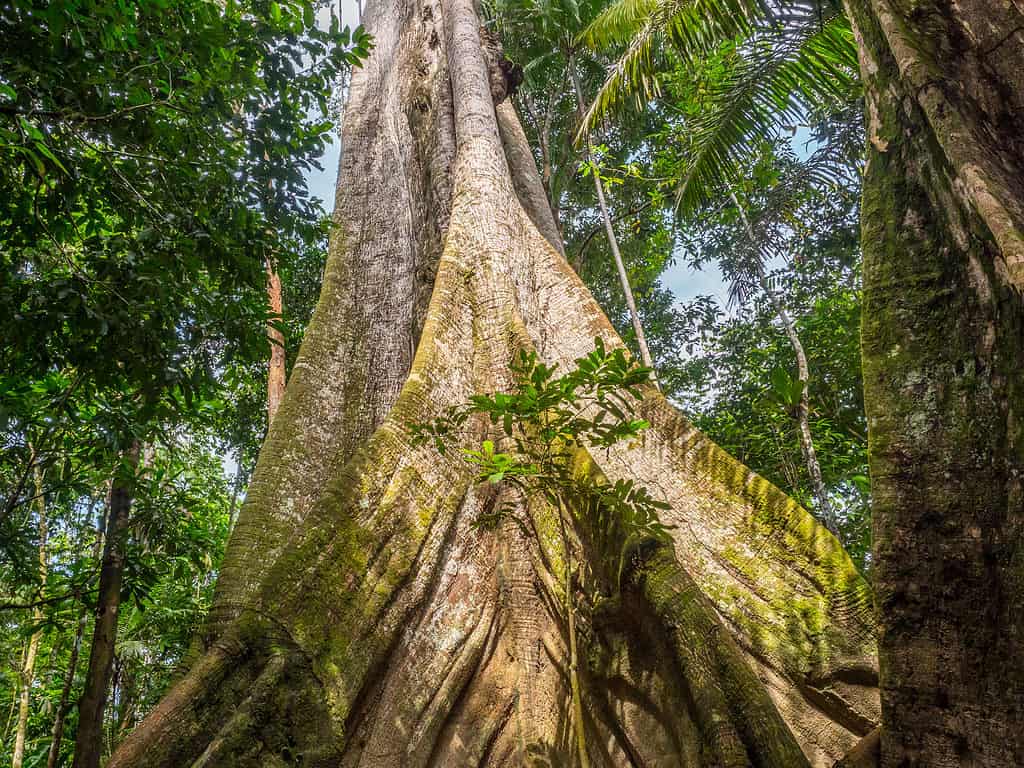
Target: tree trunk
(91, 707)
(29, 667)
(943, 347)
(823, 505)
(57, 733)
(362, 619)
(276, 367)
(613, 241)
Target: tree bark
(91, 707)
(362, 619)
(276, 366)
(943, 342)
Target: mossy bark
(943, 347)
(363, 620)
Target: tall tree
(361, 618)
(822, 506)
(943, 339)
(91, 707)
(609, 226)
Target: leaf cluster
(737, 71)
(544, 424)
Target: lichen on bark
(943, 340)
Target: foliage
(739, 380)
(545, 424)
(153, 161)
(176, 540)
(748, 69)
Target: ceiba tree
(361, 619)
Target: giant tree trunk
(943, 345)
(361, 619)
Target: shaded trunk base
(664, 685)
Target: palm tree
(775, 66)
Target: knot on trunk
(505, 75)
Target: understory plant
(546, 427)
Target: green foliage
(174, 546)
(153, 161)
(739, 381)
(545, 424)
(736, 71)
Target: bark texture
(943, 342)
(276, 370)
(361, 619)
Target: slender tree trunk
(64, 705)
(613, 241)
(803, 416)
(27, 675)
(823, 505)
(362, 618)
(276, 367)
(91, 707)
(943, 348)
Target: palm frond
(618, 23)
(650, 28)
(634, 74)
(696, 28)
(783, 74)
